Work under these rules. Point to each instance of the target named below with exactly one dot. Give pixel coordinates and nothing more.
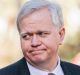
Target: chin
(38, 59)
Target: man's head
(32, 5)
(41, 32)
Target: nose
(35, 42)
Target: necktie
(51, 74)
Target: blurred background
(10, 50)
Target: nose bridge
(35, 40)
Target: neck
(47, 65)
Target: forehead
(40, 19)
(37, 14)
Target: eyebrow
(26, 33)
(34, 32)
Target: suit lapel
(23, 68)
(65, 68)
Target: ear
(61, 34)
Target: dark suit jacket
(21, 68)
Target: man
(41, 29)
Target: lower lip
(37, 52)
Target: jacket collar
(23, 67)
(25, 71)
(65, 68)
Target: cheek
(51, 43)
(24, 45)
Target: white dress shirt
(35, 71)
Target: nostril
(35, 44)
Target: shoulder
(13, 68)
(70, 67)
(69, 64)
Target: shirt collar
(58, 70)
(34, 71)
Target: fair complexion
(40, 39)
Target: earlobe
(62, 34)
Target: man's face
(39, 37)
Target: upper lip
(36, 50)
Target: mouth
(37, 52)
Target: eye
(26, 36)
(43, 34)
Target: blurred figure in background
(76, 59)
(41, 28)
